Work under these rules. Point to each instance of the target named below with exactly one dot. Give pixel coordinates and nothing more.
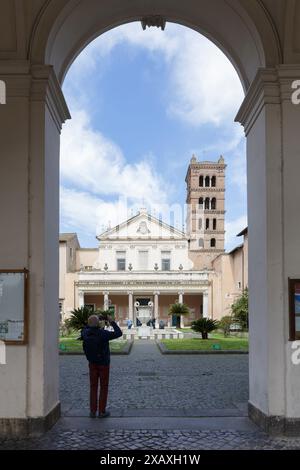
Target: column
(180, 300)
(130, 306)
(156, 309)
(271, 122)
(106, 301)
(80, 299)
(30, 123)
(205, 304)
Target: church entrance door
(176, 321)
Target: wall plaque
(14, 306)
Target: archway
(248, 37)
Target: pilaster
(271, 124)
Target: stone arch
(63, 29)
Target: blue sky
(142, 102)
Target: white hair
(93, 320)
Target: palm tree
(79, 317)
(204, 326)
(179, 309)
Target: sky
(142, 103)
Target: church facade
(146, 262)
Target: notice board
(14, 306)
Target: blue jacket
(96, 343)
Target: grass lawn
(71, 344)
(204, 345)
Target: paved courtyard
(158, 402)
(147, 382)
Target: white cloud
(203, 87)
(95, 164)
(90, 214)
(93, 169)
(206, 88)
(233, 227)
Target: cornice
(214, 232)
(45, 87)
(38, 83)
(270, 86)
(17, 85)
(148, 240)
(206, 190)
(207, 212)
(207, 166)
(130, 284)
(206, 250)
(264, 90)
(287, 74)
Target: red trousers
(97, 373)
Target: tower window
(207, 203)
(213, 243)
(201, 181)
(213, 181)
(207, 181)
(201, 202)
(214, 224)
(200, 224)
(201, 243)
(207, 224)
(213, 203)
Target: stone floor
(148, 380)
(158, 402)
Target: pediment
(143, 225)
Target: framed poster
(294, 301)
(14, 306)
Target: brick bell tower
(205, 211)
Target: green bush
(224, 324)
(240, 310)
(65, 329)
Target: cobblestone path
(158, 402)
(148, 380)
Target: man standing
(96, 348)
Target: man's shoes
(92, 414)
(104, 415)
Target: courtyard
(147, 383)
(184, 402)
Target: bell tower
(205, 210)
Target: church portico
(125, 295)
